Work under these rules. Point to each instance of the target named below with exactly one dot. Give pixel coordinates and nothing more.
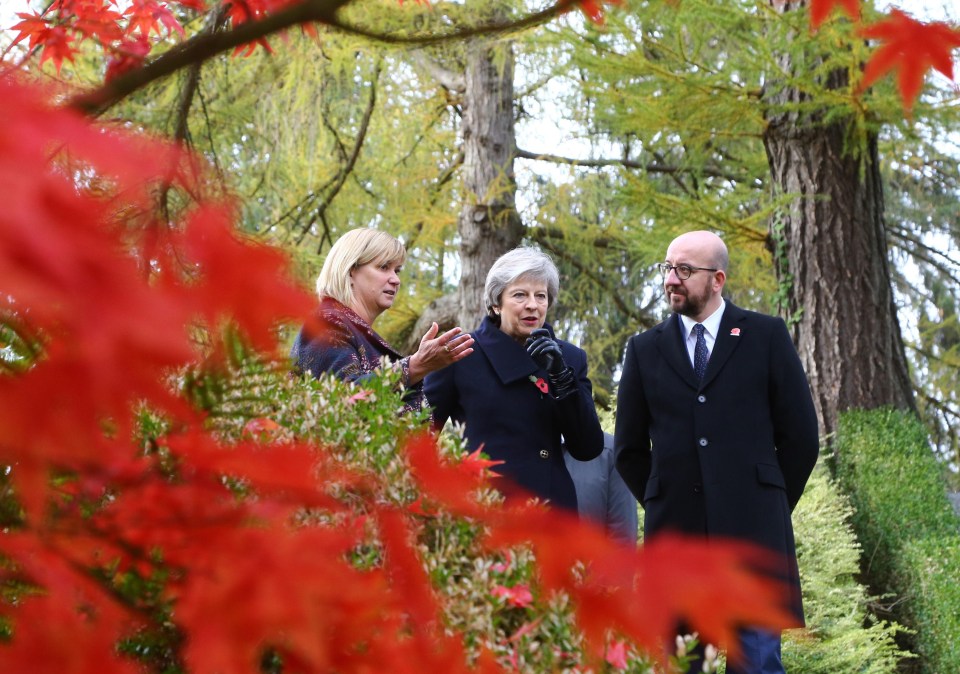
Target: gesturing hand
(438, 351)
(545, 351)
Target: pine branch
(351, 160)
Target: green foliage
(906, 524)
(842, 634)
(362, 426)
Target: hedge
(908, 528)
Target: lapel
(733, 319)
(670, 343)
(508, 358)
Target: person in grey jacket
(602, 495)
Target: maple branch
(203, 47)
(626, 163)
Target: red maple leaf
(593, 9)
(474, 465)
(821, 9)
(145, 15)
(241, 279)
(911, 47)
(129, 55)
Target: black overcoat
(493, 392)
(725, 457)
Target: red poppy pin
(540, 384)
(735, 332)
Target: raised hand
(437, 352)
(545, 351)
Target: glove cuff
(562, 383)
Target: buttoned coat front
(725, 457)
(494, 393)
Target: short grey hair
(520, 262)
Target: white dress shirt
(711, 327)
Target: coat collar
(509, 360)
(334, 312)
(670, 342)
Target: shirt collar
(711, 324)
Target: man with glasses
(716, 430)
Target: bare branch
(626, 163)
(447, 79)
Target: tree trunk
(834, 264)
(489, 224)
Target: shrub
(907, 526)
(841, 635)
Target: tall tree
(836, 266)
(728, 121)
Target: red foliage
(243, 576)
(108, 295)
(821, 9)
(910, 47)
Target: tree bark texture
(489, 224)
(835, 263)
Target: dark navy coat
(493, 392)
(725, 457)
(337, 340)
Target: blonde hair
(354, 249)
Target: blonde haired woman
(358, 282)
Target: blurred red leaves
(911, 48)
(109, 302)
(821, 9)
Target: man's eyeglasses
(683, 270)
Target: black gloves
(545, 351)
(547, 354)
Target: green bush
(841, 634)
(909, 531)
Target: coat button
(697, 488)
(703, 442)
(701, 398)
(544, 454)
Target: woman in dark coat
(358, 282)
(524, 390)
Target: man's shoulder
(650, 334)
(756, 318)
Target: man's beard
(689, 305)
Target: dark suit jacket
(603, 496)
(494, 394)
(728, 457)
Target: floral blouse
(339, 341)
